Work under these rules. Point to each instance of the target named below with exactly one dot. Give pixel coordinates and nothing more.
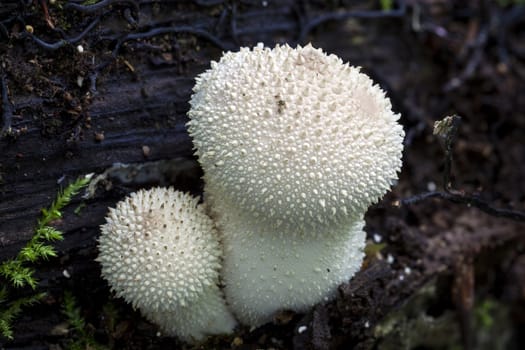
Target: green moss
(19, 271)
(372, 249)
(386, 5)
(411, 326)
(492, 326)
(83, 338)
(484, 313)
(10, 310)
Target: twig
(62, 42)
(473, 62)
(98, 6)
(469, 200)
(432, 28)
(309, 24)
(447, 129)
(175, 29)
(208, 2)
(48, 19)
(129, 18)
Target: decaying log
(106, 91)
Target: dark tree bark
(87, 86)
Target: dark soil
(443, 271)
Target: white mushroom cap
(265, 271)
(161, 253)
(295, 136)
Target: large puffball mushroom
(298, 138)
(160, 252)
(295, 145)
(266, 271)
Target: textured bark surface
(124, 100)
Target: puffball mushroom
(295, 145)
(161, 253)
(295, 136)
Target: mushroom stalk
(266, 270)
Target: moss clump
(19, 272)
(83, 338)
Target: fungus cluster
(295, 145)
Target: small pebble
(146, 150)
(237, 341)
(99, 136)
(61, 179)
(301, 329)
(377, 238)
(66, 274)
(80, 48)
(60, 329)
(389, 259)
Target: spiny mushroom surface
(296, 137)
(266, 271)
(161, 253)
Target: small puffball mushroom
(266, 271)
(295, 136)
(161, 253)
